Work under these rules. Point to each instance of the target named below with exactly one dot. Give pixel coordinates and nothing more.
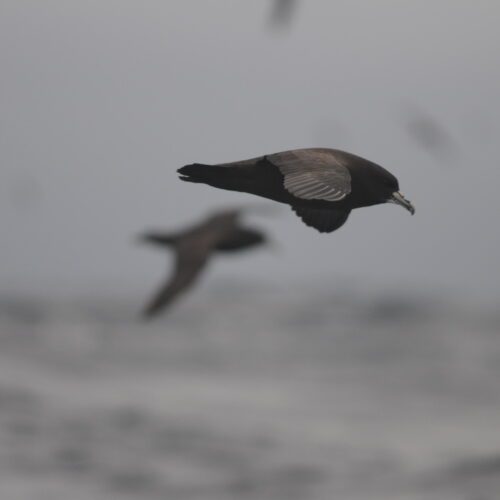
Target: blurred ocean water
(257, 395)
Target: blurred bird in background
(430, 135)
(282, 12)
(321, 185)
(193, 247)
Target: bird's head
(380, 186)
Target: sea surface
(257, 394)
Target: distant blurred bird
(430, 135)
(193, 249)
(282, 12)
(321, 185)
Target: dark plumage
(193, 248)
(321, 185)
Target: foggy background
(102, 101)
(361, 364)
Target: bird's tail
(234, 178)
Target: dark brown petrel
(193, 248)
(321, 185)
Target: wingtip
(148, 314)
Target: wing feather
(324, 220)
(190, 261)
(313, 174)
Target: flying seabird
(193, 249)
(321, 185)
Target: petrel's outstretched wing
(324, 220)
(313, 174)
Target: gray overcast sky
(101, 101)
